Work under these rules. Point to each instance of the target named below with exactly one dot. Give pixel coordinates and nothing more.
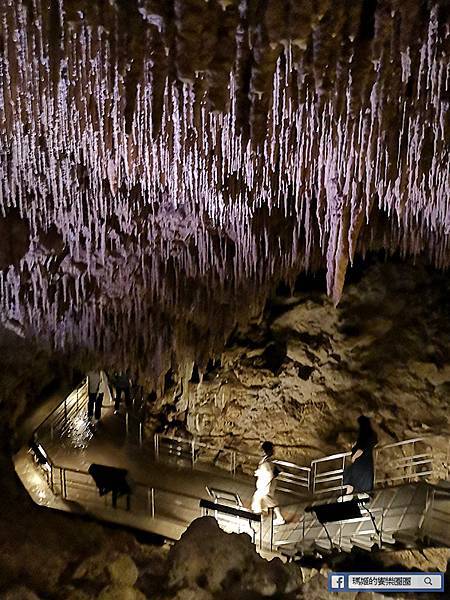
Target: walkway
(170, 477)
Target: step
(444, 484)
(387, 538)
(346, 545)
(437, 533)
(410, 521)
(394, 523)
(407, 536)
(323, 546)
(365, 543)
(442, 507)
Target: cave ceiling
(164, 163)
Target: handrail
(284, 463)
(230, 510)
(331, 457)
(133, 481)
(299, 476)
(58, 406)
(401, 443)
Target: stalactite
(162, 209)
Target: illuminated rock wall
(164, 163)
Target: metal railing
(152, 502)
(236, 519)
(403, 460)
(57, 421)
(180, 509)
(78, 486)
(292, 478)
(330, 479)
(406, 460)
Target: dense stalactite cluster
(168, 161)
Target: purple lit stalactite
(184, 216)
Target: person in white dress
(264, 496)
(97, 388)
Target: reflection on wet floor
(79, 432)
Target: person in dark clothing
(122, 385)
(102, 388)
(359, 475)
(93, 387)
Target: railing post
(271, 512)
(303, 528)
(260, 534)
(153, 502)
(448, 459)
(140, 433)
(126, 423)
(375, 463)
(156, 445)
(193, 452)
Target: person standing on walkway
(103, 387)
(266, 473)
(121, 384)
(359, 475)
(93, 386)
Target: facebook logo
(336, 582)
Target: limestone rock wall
(304, 374)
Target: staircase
(404, 516)
(436, 526)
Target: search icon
(427, 581)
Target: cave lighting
(39, 453)
(126, 209)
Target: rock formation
(304, 374)
(160, 160)
(68, 559)
(164, 165)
